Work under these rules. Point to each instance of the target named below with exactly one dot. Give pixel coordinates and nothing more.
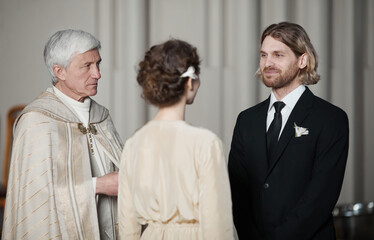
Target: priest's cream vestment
(50, 188)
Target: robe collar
(49, 104)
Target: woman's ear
(59, 72)
(303, 60)
(189, 85)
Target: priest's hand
(107, 184)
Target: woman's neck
(173, 112)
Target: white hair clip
(190, 73)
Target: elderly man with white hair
(63, 180)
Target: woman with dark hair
(173, 176)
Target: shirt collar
(290, 99)
(81, 106)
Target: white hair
(63, 45)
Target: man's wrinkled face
(81, 77)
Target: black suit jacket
(294, 197)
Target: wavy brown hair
(296, 38)
(160, 70)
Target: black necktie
(274, 129)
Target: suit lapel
(298, 114)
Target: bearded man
(63, 179)
(289, 152)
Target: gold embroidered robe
(50, 190)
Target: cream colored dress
(173, 177)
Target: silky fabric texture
(50, 191)
(173, 177)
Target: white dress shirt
(290, 100)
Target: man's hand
(107, 184)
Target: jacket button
(266, 185)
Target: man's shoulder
(320, 108)
(47, 104)
(256, 109)
(31, 123)
(323, 107)
(35, 111)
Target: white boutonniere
(299, 131)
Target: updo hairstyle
(159, 72)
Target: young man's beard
(282, 80)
